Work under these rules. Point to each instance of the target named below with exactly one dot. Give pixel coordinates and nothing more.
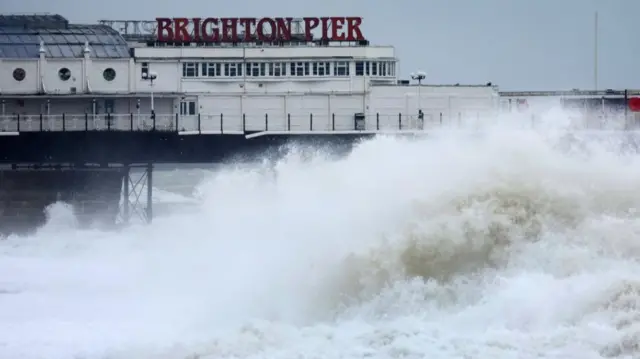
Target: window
(341, 68)
(383, 69)
(366, 68)
(359, 68)
(189, 69)
(321, 68)
(144, 69)
(19, 74)
(211, 69)
(299, 68)
(64, 74)
(232, 69)
(256, 69)
(277, 69)
(109, 74)
(187, 108)
(374, 69)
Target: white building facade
(214, 89)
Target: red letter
(215, 34)
(310, 23)
(353, 29)
(284, 28)
(182, 34)
(336, 24)
(164, 25)
(264, 35)
(229, 29)
(246, 22)
(196, 29)
(325, 27)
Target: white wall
(52, 82)
(322, 111)
(97, 81)
(155, 53)
(56, 106)
(452, 102)
(42, 76)
(9, 85)
(303, 112)
(169, 76)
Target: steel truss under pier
(104, 195)
(134, 185)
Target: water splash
(509, 242)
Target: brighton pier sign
(267, 29)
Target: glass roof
(61, 39)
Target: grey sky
(516, 44)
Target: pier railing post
(177, 122)
(244, 123)
(310, 122)
(266, 122)
(18, 126)
(288, 122)
(221, 124)
(199, 124)
(64, 128)
(333, 122)
(400, 121)
(377, 121)
(40, 122)
(131, 121)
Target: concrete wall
(24, 195)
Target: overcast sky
(516, 44)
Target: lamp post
(151, 76)
(419, 76)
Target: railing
(250, 124)
(212, 124)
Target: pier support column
(149, 192)
(126, 201)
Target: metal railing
(209, 123)
(249, 123)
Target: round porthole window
(64, 74)
(19, 74)
(109, 74)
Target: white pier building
(113, 74)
